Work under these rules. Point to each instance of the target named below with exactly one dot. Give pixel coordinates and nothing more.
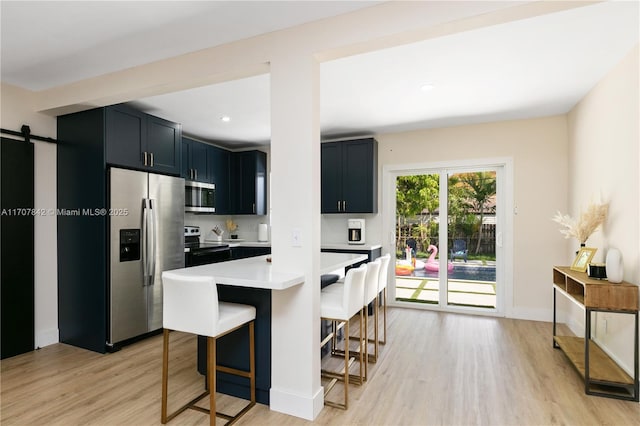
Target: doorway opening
(448, 225)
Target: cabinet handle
(254, 207)
(145, 157)
(344, 204)
(191, 174)
(195, 171)
(151, 159)
(338, 205)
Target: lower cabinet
(244, 252)
(233, 349)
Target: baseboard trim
(47, 337)
(545, 315)
(295, 404)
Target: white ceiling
(535, 67)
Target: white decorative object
(263, 232)
(615, 267)
(582, 227)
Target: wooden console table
(602, 376)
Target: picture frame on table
(583, 258)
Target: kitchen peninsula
(251, 281)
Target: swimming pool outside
(462, 271)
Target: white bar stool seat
(372, 281)
(382, 289)
(339, 305)
(190, 305)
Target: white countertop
(350, 247)
(329, 262)
(256, 272)
(329, 246)
(241, 243)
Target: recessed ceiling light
(225, 118)
(427, 87)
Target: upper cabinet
(349, 182)
(218, 163)
(239, 177)
(249, 182)
(138, 140)
(194, 160)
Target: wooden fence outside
(487, 243)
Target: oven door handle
(207, 252)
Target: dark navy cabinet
(88, 142)
(349, 178)
(194, 160)
(249, 182)
(218, 165)
(240, 177)
(141, 141)
(244, 252)
(82, 242)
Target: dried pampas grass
(585, 225)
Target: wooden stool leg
(364, 318)
(211, 374)
(165, 374)
(384, 308)
(363, 356)
(375, 333)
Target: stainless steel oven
(197, 253)
(199, 197)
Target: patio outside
(474, 287)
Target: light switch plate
(296, 238)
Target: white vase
(615, 267)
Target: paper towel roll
(263, 232)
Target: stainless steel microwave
(199, 197)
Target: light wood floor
(436, 369)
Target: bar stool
(190, 304)
(370, 295)
(382, 288)
(372, 282)
(340, 306)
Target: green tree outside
(470, 198)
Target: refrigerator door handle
(153, 240)
(145, 241)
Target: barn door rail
(25, 133)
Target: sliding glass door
(448, 225)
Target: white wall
(604, 160)
(16, 110)
(538, 148)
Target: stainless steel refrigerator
(146, 237)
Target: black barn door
(16, 265)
